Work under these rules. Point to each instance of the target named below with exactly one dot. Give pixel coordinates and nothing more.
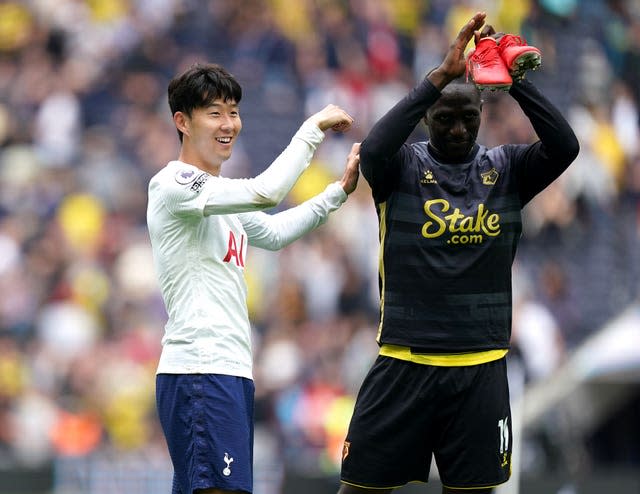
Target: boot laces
(485, 55)
(512, 40)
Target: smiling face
(454, 121)
(204, 103)
(209, 134)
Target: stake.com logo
(464, 229)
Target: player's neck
(196, 160)
(443, 158)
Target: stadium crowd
(84, 124)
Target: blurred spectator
(84, 123)
(536, 337)
(556, 296)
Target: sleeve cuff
(310, 133)
(336, 194)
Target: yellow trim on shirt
(442, 359)
(383, 233)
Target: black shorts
(407, 412)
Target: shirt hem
(442, 359)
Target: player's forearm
(276, 231)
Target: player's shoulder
(499, 156)
(176, 172)
(178, 176)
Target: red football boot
(486, 66)
(518, 56)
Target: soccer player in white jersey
(200, 225)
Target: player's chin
(225, 151)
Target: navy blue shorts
(407, 413)
(207, 421)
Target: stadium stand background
(84, 123)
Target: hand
(487, 30)
(332, 117)
(351, 171)
(454, 63)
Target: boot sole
(526, 61)
(494, 87)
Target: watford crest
(490, 177)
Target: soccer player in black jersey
(450, 219)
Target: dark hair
(463, 80)
(199, 86)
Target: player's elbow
(572, 149)
(270, 199)
(566, 152)
(272, 243)
(571, 145)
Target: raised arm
(194, 192)
(270, 187)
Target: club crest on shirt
(490, 177)
(185, 176)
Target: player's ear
(181, 122)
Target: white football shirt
(200, 226)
